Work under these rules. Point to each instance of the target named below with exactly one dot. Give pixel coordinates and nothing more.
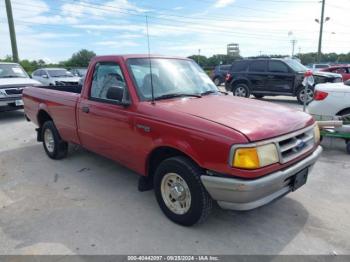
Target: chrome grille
(293, 145)
(14, 91)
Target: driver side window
(108, 83)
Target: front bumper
(9, 101)
(239, 194)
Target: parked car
(79, 72)
(219, 73)
(190, 142)
(330, 100)
(317, 67)
(55, 76)
(271, 77)
(343, 70)
(13, 79)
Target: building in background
(233, 49)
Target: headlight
(255, 157)
(317, 134)
(2, 93)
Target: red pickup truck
(165, 119)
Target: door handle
(270, 77)
(85, 109)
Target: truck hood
(326, 74)
(17, 82)
(257, 120)
(67, 79)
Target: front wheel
(241, 90)
(54, 146)
(303, 94)
(180, 192)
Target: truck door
(104, 124)
(279, 77)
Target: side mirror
(45, 76)
(117, 94)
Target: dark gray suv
(272, 77)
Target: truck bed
(59, 102)
(68, 88)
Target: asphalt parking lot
(86, 204)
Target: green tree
(200, 59)
(80, 59)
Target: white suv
(55, 77)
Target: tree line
(83, 57)
(305, 58)
(78, 59)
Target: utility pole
(12, 31)
(293, 46)
(321, 31)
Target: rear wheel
(54, 146)
(180, 192)
(217, 81)
(241, 90)
(303, 94)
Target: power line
(199, 26)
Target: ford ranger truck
(12, 81)
(163, 118)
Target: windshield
(169, 77)
(59, 73)
(12, 71)
(295, 65)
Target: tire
(217, 81)
(196, 203)
(348, 147)
(345, 113)
(54, 146)
(241, 90)
(258, 96)
(300, 95)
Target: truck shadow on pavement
(86, 204)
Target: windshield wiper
(209, 92)
(167, 96)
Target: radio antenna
(150, 62)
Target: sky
(54, 29)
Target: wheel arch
(239, 81)
(343, 111)
(42, 117)
(159, 154)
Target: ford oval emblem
(300, 145)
